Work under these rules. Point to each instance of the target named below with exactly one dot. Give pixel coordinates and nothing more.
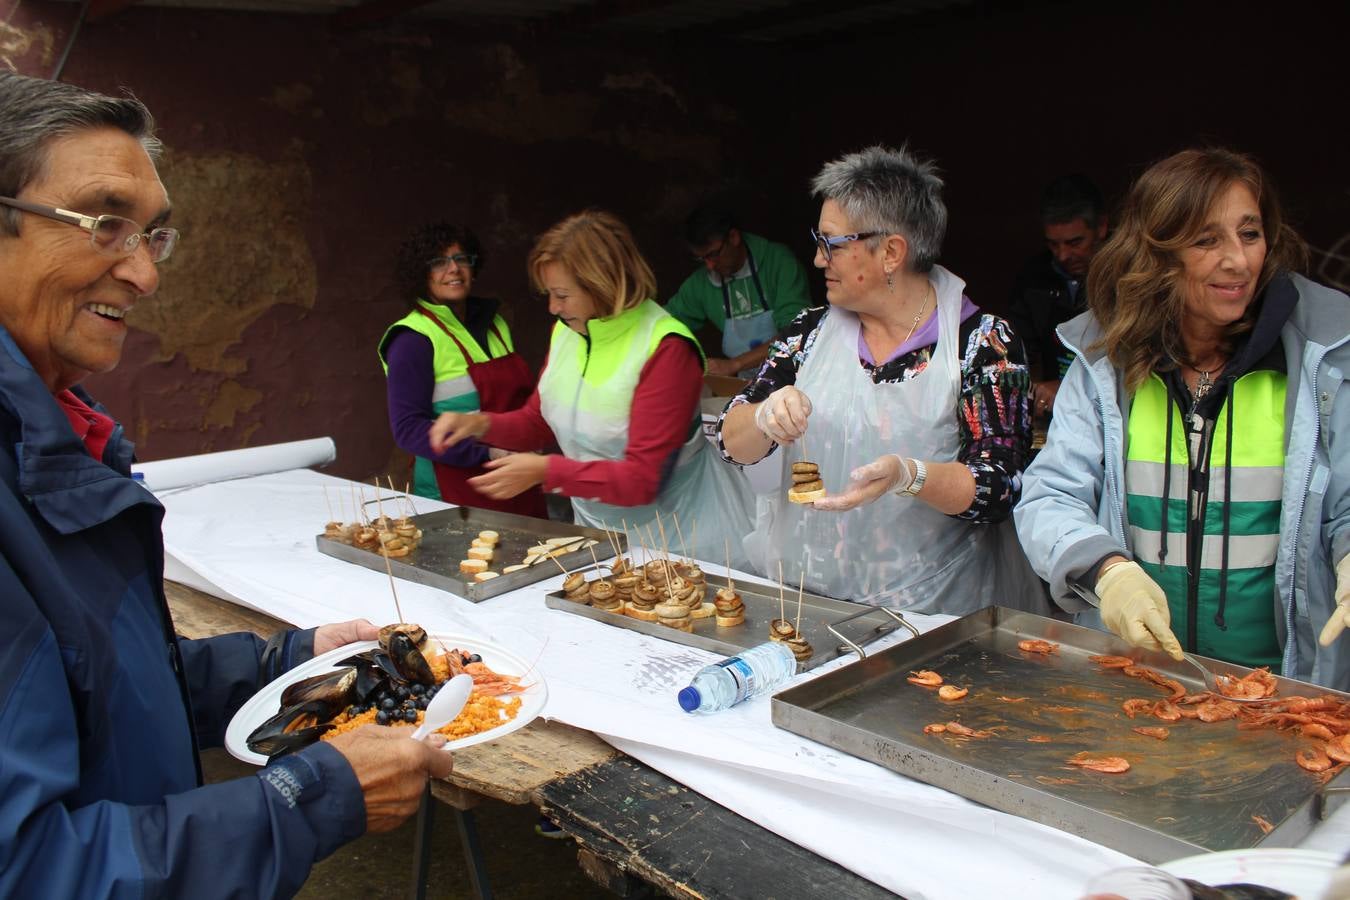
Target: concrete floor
(520, 864)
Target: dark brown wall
(299, 158)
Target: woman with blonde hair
(1193, 487)
(619, 396)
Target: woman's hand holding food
(393, 770)
(451, 428)
(783, 414)
(867, 483)
(1135, 608)
(340, 634)
(511, 475)
(1340, 616)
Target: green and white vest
(1255, 465)
(452, 389)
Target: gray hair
(892, 191)
(34, 112)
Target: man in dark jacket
(102, 708)
(1049, 289)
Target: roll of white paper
(167, 474)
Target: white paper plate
(264, 704)
(1303, 873)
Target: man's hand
(511, 475)
(867, 483)
(451, 428)
(1134, 607)
(1340, 616)
(340, 634)
(783, 414)
(393, 770)
(719, 366)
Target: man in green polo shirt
(749, 289)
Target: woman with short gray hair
(910, 401)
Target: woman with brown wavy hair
(1192, 487)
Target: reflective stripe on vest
(1257, 465)
(452, 389)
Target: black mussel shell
(292, 728)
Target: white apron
(897, 551)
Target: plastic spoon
(443, 708)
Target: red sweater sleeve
(667, 395)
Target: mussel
(337, 688)
(291, 729)
(408, 659)
(416, 633)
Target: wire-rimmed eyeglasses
(711, 255)
(826, 244)
(461, 260)
(109, 235)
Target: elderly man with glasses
(102, 708)
(749, 288)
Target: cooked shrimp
(1136, 705)
(925, 678)
(1111, 662)
(1112, 765)
(952, 692)
(1037, 646)
(1153, 732)
(1313, 759)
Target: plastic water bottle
(755, 671)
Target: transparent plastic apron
(701, 488)
(740, 335)
(896, 551)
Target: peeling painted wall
(299, 158)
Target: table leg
(426, 819)
(473, 854)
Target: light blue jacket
(1072, 512)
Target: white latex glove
(782, 416)
(867, 483)
(1340, 616)
(1134, 607)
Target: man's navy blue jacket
(102, 708)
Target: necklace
(917, 316)
(1205, 383)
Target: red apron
(503, 384)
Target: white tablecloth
(252, 541)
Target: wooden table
(633, 826)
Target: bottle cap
(138, 476)
(690, 698)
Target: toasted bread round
(646, 615)
(703, 611)
(806, 496)
(485, 576)
(480, 553)
(491, 537)
(731, 621)
(473, 566)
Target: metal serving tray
(833, 627)
(447, 535)
(1196, 791)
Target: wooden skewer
(800, 583)
(693, 538)
(558, 564)
(389, 570)
(628, 540)
(730, 584)
(665, 548)
(379, 504)
(683, 545)
(613, 540)
(328, 503)
(597, 563)
(782, 609)
(408, 493)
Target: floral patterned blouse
(993, 413)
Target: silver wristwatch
(920, 476)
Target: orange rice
(481, 713)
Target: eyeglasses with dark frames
(109, 235)
(461, 260)
(826, 244)
(711, 255)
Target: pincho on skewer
(780, 629)
(801, 648)
(807, 486)
(728, 603)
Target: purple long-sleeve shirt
(412, 377)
